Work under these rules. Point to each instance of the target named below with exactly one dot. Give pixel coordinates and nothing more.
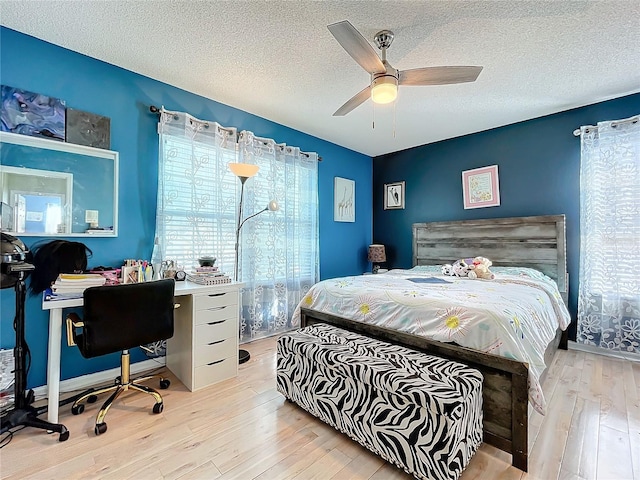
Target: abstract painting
(90, 129)
(33, 114)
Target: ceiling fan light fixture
(384, 89)
(384, 78)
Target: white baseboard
(98, 378)
(603, 351)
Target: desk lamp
(245, 171)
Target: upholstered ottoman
(419, 412)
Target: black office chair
(117, 318)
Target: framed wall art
(344, 200)
(480, 187)
(394, 195)
(90, 129)
(30, 113)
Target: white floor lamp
(245, 171)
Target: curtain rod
(614, 124)
(157, 111)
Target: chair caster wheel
(77, 410)
(164, 383)
(92, 398)
(158, 407)
(100, 428)
(64, 435)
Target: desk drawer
(208, 374)
(214, 315)
(214, 331)
(214, 351)
(214, 300)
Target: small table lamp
(376, 256)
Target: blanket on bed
(515, 315)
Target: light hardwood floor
(244, 429)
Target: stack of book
(208, 276)
(211, 269)
(71, 285)
(76, 283)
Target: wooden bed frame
(535, 242)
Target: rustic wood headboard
(534, 242)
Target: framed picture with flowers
(480, 187)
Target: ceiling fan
(384, 78)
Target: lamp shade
(384, 89)
(377, 253)
(243, 170)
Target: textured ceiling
(278, 60)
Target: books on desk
(76, 283)
(93, 279)
(211, 269)
(208, 278)
(50, 295)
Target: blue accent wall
(538, 167)
(123, 96)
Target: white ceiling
(278, 60)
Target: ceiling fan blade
(438, 75)
(354, 102)
(357, 46)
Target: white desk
(55, 308)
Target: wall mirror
(51, 188)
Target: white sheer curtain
(196, 191)
(278, 250)
(198, 201)
(609, 295)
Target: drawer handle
(213, 309)
(217, 341)
(216, 323)
(217, 361)
(216, 294)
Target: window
(198, 199)
(199, 202)
(609, 295)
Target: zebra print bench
(419, 412)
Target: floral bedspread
(516, 315)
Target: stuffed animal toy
(461, 268)
(447, 269)
(480, 269)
